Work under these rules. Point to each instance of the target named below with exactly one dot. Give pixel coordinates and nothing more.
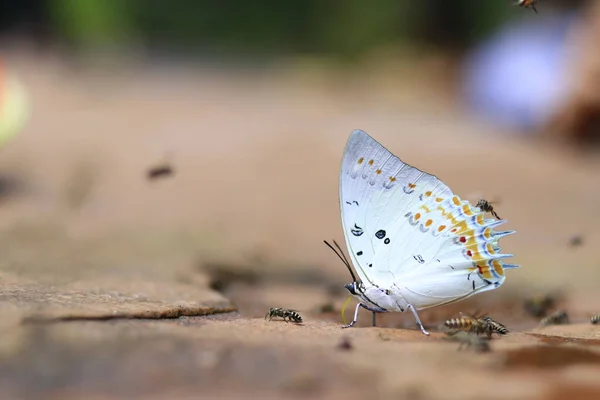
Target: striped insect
(470, 324)
(497, 327)
(286, 314)
(560, 317)
(595, 319)
(527, 4)
(486, 206)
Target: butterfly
(413, 242)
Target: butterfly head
(355, 288)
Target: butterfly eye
(351, 287)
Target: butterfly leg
(359, 305)
(373, 309)
(416, 317)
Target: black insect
(486, 206)
(345, 344)
(539, 306)
(527, 4)
(287, 315)
(595, 319)
(159, 171)
(576, 241)
(560, 317)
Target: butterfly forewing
(373, 193)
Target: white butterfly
(414, 243)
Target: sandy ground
(105, 276)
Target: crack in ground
(151, 315)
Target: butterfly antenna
(342, 257)
(342, 253)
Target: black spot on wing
(357, 231)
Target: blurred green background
(348, 29)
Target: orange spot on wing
(378, 172)
(484, 271)
(490, 249)
(498, 267)
(429, 222)
(441, 228)
(427, 194)
(461, 226)
(412, 185)
(417, 216)
(360, 160)
(439, 199)
(480, 219)
(456, 200)
(392, 179)
(466, 209)
(487, 233)
(370, 162)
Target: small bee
(527, 4)
(497, 327)
(287, 315)
(471, 324)
(486, 206)
(539, 306)
(478, 344)
(560, 317)
(595, 319)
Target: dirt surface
(113, 285)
